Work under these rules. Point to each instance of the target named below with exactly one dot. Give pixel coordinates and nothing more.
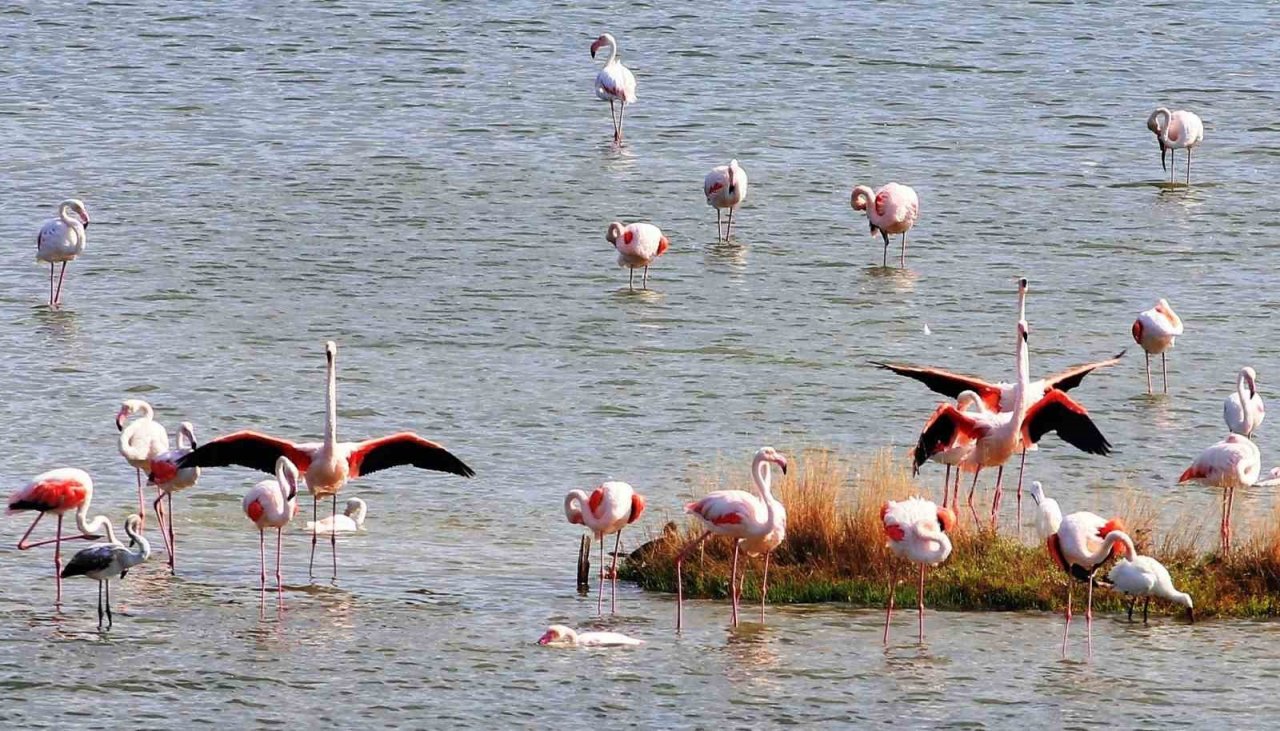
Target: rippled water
(431, 189)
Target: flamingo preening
(351, 520)
(1180, 130)
(1243, 410)
(738, 515)
(327, 464)
(61, 240)
(891, 210)
(55, 492)
(614, 83)
(725, 188)
(1155, 331)
(103, 562)
(1231, 463)
(272, 504)
(607, 510)
(916, 530)
(558, 634)
(163, 472)
(1079, 544)
(638, 244)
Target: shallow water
(431, 189)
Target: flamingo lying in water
(328, 464)
(558, 634)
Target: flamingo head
(1251, 377)
(128, 408)
(769, 454)
(1024, 330)
(77, 207)
(604, 40)
(186, 430)
(287, 474)
(1157, 123)
(558, 634)
(861, 198)
(330, 350)
(356, 509)
(614, 233)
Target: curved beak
(1163, 149)
(595, 47)
(546, 639)
(120, 420)
(782, 463)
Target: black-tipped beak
(1191, 615)
(119, 422)
(1024, 337)
(784, 468)
(1022, 283)
(1163, 149)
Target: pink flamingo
(959, 452)
(607, 510)
(141, 441)
(765, 546)
(1231, 463)
(1180, 130)
(56, 492)
(891, 210)
(736, 514)
(330, 463)
(1244, 410)
(1079, 544)
(917, 531)
(61, 240)
(638, 245)
(272, 504)
(614, 83)
(1154, 331)
(725, 187)
(163, 472)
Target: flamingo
(1154, 331)
(638, 244)
(765, 546)
(272, 504)
(998, 435)
(1079, 544)
(558, 634)
(330, 463)
(163, 472)
(607, 510)
(62, 239)
(103, 562)
(891, 210)
(143, 440)
(1143, 576)
(917, 531)
(1180, 130)
(960, 451)
(1243, 410)
(56, 492)
(738, 515)
(351, 520)
(614, 83)
(725, 187)
(1231, 463)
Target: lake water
(431, 189)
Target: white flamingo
(141, 441)
(61, 240)
(1180, 130)
(558, 634)
(351, 520)
(916, 530)
(1243, 410)
(1143, 576)
(272, 504)
(614, 83)
(638, 244)
(725, 188)
(1155, 331)
(1231, 463)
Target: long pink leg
(51, 285)
(680, 576)
(57, 296)
(973, 487)
(600, 592)
(1164, 372)
(622, 112)
(279, 575)
(164, 534)
(1022, 466)
(1148, 372)
(1088, 617)
(733, 585)
(955, 499)
(920, 602)
(903, 261)
(728, 227)
(995, 501)
(764, 585)
(57, 563)
(173, 539)
(22, 542)
(888, 614)
(142, 504)
(333, 536)
(1067, 627)
(946, 486)
(262, 562)
(717, 224)
(23, 545)
(613, 574)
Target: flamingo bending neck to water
(61, 240)
(1180, 130)
(614, 83)
(738, 515)
(608, 509)
(56, 492)
(330, 463)
(891, 210)
(1143, 576)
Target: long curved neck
(1108, 543)
(1243, 392)
(142, 552)
(578, 496)
(613, 51)
(931, 534)
(1023, 361)
(99, 523)
(1163, 126)
(331, 407)
(288, 490)
(763, 475)
(64, 213)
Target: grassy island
(835, 550)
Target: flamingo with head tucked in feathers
(1079, 544)
(61, 240)
(1231, 463)
(165, 475)
(638, 244)
(1243, 410)
(607, 510)
(738, 515)
(55, 492)
(1180, 130)
(614, 83)
(725, 188)
(328, 464)
(916, 530)
(891, 210)
(1155, 331)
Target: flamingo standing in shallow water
(61, 240)
(165, 475)
(725, 187)
(607, 510)
(891, 210)
(1243, 410)
(1154, 331)
(765, 546)
(1180, 130)
(638, 245)
(330, 463)
(917, 531)
(272, 504)
(614, 83)
(143, 440)
(1231, 463)
(56, 492)
(103, 562)
(1079, 544)
(558, 634)
(1143, 576)
(736, 514)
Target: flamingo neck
(331, 407)
(613, 52)
(143, 552)
(288, 488)
(1100, 555)
(570, 512)
(64, 213)
(99, 523)
(1163, 126)
(929, 533)
(763, 475)
(1241, 380)
(1021, 396)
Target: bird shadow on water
(618, 157)
(638, 295)
(57, 324)
(731, 253)
(897, 279)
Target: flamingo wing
(1071, 377)
(405, 448)
(941, 431)
(1058, 412)
(947, 383)
(94, 558)
(248, 449)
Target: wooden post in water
(584, 565)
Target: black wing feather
(938, 432)
(1074, 427)
(411, 449)
(1070, 378)
(247, 449)
(93, 558)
